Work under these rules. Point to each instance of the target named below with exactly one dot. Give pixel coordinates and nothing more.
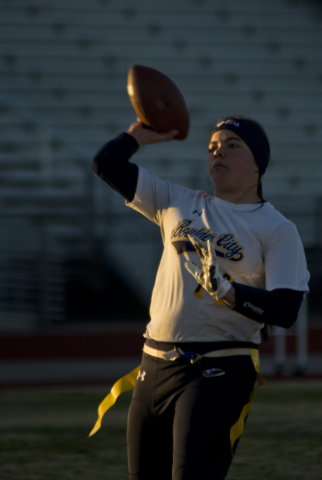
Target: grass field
(44, 435)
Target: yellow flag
(237, 429)
(124, 384)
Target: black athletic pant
(181, 415)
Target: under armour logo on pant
(141, 375)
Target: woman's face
(231, 165)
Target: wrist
(229, 298)
(137, 137)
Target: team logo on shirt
(226, 245)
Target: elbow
(286, 308)
(289, 323)
(286, 321)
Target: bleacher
(63, 70)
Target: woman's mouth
(219, 165)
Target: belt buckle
(191, 357)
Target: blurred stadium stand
(63, 70)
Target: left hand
(210, 277)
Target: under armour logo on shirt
(196, 211)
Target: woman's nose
(219, 152)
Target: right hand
(145, 136)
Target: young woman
(231, 265)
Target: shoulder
(278, 232)
(270, 226)
(270, 213)
(146, 179)
(277, 221)
(269, 219)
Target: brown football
(157, 101)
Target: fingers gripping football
(210, 276)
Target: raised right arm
(111, 163)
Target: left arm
(278, 307)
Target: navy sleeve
(111, 164)
(279, 307)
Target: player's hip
(161, 380)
